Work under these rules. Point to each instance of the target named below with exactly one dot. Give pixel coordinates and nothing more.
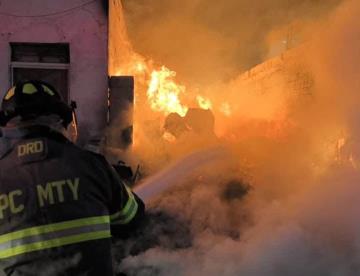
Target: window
(42, 61)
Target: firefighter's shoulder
(97, 159)
(94, 154)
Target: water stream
(175, 172)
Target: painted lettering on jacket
(47, 194)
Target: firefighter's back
(54, 217)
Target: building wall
(286, 73)
(81, 23)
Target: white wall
(84, 28)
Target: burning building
(283, 124)
(83, 49)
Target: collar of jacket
(12, 135)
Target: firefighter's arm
(126, 208)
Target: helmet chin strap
(71, 132)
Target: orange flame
(204, 103)
(164, 94)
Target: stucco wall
(85, 28)
(286, 72)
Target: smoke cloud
(206, 42)
(284, 204)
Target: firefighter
(59, 204)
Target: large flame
(164, 94)
(158, 93)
